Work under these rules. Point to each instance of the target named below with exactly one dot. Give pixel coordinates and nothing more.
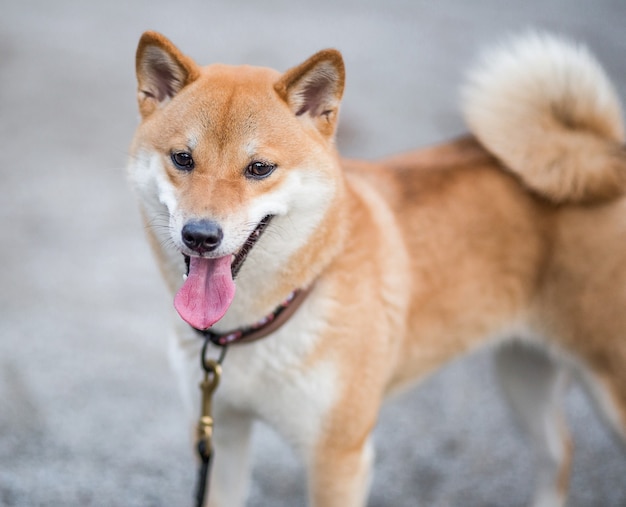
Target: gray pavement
(89, 409)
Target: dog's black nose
(202, 235)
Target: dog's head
(224, 153)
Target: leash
(204, 431)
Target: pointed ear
(313, 90)
(162, 71)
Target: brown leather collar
(262, 328)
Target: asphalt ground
(89, 409)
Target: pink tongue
(207, 293)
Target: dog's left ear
(162, 71)
(313, 90)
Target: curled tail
(547, 110)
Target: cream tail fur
(546, 108)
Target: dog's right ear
(162, 71)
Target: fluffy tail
(547, 110)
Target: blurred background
(89, 409)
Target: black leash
(212, 374)
(202, 482)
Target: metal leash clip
(212, 375)
(204, 431)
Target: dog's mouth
(243, 252)
(240, 256)
(209, 286)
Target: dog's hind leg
(608, 397)
(534, 384)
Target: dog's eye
(182, 160)
(259, 170)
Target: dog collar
(263, 327)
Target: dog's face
(222, 151)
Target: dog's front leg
(341, 474)
(328, 424)
(232, 429)
(229, 477)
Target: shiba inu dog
(364, 277)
